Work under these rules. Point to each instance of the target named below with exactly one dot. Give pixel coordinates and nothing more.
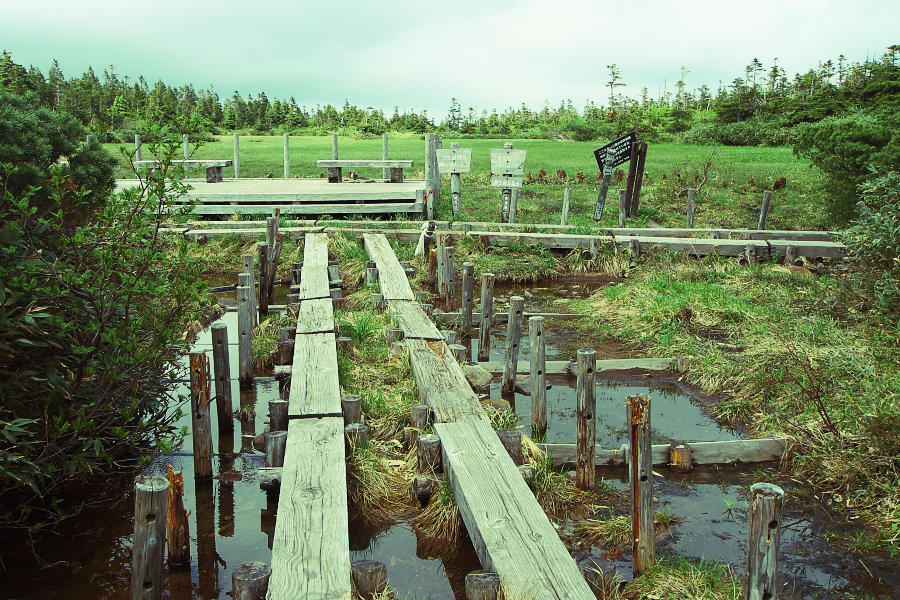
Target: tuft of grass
(440, 521)
(377, 485)
(551, 489)
(615, 532)
(264, 346)
(517, 262)
(344, 247)
(677, 579)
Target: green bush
(847, 149)
(873, 244)
(752, 132)
(92, 308)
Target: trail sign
(620, 148)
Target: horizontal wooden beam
(564, 367)
(366, 164)
(186, 163)
(503, 317)
(299, 209)
(702, 453)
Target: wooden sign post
(511, 166)
(454, 160)
(609, 157)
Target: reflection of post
(201, 429)
(604, 185)
(207, 558)
(178, 535)
(226, 485)
(267, 517)
(248, 421)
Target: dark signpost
(620, 150)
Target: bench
(213, 167)
(335, 167)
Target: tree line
(115, 106)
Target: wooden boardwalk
(311, 548)
(507, 526)
(299, 197)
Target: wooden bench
(213, 167)
(335, 167)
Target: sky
(415, 55)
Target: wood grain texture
(314, 376)
(413, 320)
(511, 534)
(764, 531)
(314, 274)
(392, 277)
(365, 164)
(316, 316)
(441, 382)
(311, 547)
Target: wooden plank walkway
(413, 320)
(509, 530)
(311, 547)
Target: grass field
(733, 189)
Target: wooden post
(766, 502)
(604, 185)
(537, 355)
(245, 338)
(428, 453)
(459, 353)
(247, 263)
(513, 338)
(455, 188)
(287, 156)
(506, 201)
(369, 578)
(567, 201)
(487, 316)
(377, 302)
(278, 415)
(749, 256)
(692, 207)
(450, 336)
(178, 535)
(512, 441)
(263, 303)
(334, 146)
(386, 172)
(623, 207)
(393, 334)
(187, 145)
(638, 179)
(482, 585)
(222, 372)
(468, 292)
(418, 416)
(237, 156)
(438, 144)
(629, 182)
(351, 407)
(250, 581)
(764, 209)
(586, 410)
(514, 205)
(429, 166)
(450, 278)
(200, 423)
(680, 458)
(137, 146)
(151, 498)
(356, 434)
(640, 473)
(792, 257)
(276, 444)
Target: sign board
(507, 181)
(507, 162)
(454, 160)
(620, 147)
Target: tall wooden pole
(222, 372)
(567, 200)
(764, 209)
(487, 316)
(468, 291)
(604, 185)
(538, 382)
(586, 410)
(766, 502)
(137, 146)
(245, 338)
(386, 172)
(237, 156)
(334, 146)
(638, 179)
(629, 183)
(200, 421)
(186, 142)
(513, 338)
(287, 156)
(640, 475)
(623, 207)
(151, 498)
(692, 207)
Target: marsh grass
(790, 360)
(680, 579)
(614, 533)
(440, 521)
(264, 346)
(378, 486)
(344, 248)
(517, 262)
(558, 498)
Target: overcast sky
(420, 54)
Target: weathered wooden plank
(564, 367)
(309, 209)
(702, 453)
(441, 382)
(316, 316)
(511, 534)
(506, 161)
(186, 163)
(314, 274)
(413, 320)
(311, 547)
(366, 164)
(391, 276)
(314, 376)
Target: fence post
(567, 200)
(692, 207)
(287, 156)
(766, 502)
(334, 146)
(385, 172)
(237, 156)
(487, 316)
(640, 471)
(638, 179)
(623, 207)
(200, 422)
(186, 142)
(513, 337)
(468, 291)
(151, 498)
(586, 409)
(538, 377)
(245, 338)
(137, 146)
(250, 581)
(764, 209)
(222, 372)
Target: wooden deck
(509, 530)
(311, 548)
(298, 197)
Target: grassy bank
(734, 179)
(787, 357)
